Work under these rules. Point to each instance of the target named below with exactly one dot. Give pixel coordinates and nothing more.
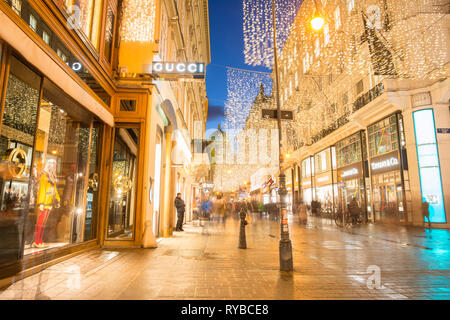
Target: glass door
(122, 197)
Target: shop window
(348, 151)
(45, 146)
(16, 148)
(90, 223)
(128, 105)
(122, 198)
(109, 33)
(383, 136)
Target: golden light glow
(317, 23)
(138, 23)
(287, 155)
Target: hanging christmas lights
(138, 22)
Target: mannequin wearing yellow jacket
(47, 198)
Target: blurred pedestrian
(302, 215)
(426, 212)
(354, 210)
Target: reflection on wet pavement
(204, 262)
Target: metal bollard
(242, 238)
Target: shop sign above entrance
(176, 70)
(353, 171)
(385, 163)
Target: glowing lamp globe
(317, 23)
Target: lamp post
(286, 262)
(285, 248)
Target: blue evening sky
(227, 44)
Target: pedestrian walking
(181, 208)
(302, 215)
(354, 210)
(426, 212)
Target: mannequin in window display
(47, 198)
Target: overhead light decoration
(242, 89)
(258, 28)
(138, 20)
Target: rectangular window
(359, 87)
(128, 105)
(383, 136)
(429, 168)
(317, 47)
(350, 5)
(46, 37)
(337, 18)
(16, 5)
(326, 34)
(109, 33)
(306, 63)
(33, 22)
(348, 151)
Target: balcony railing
(368, 97)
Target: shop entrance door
(388, 198)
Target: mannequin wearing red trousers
(47, 198)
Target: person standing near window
(181, 207)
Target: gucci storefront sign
(178, 68)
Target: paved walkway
(369, 262)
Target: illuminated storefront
(350, 156)
(307, 169)
(386, 166)
(325, 179)
(50, 172)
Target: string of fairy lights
(242, 89)
(138, 20)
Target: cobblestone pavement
(367, 262)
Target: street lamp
(286, 262)
(317, 22)
(285, 248)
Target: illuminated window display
(325, 179)
(122, 198)
(350, 156)
(306, 183)
(45, 145)
(386, 169)
(383, 136)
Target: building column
(168, 188)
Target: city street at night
(206, 263)
(207, 151)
